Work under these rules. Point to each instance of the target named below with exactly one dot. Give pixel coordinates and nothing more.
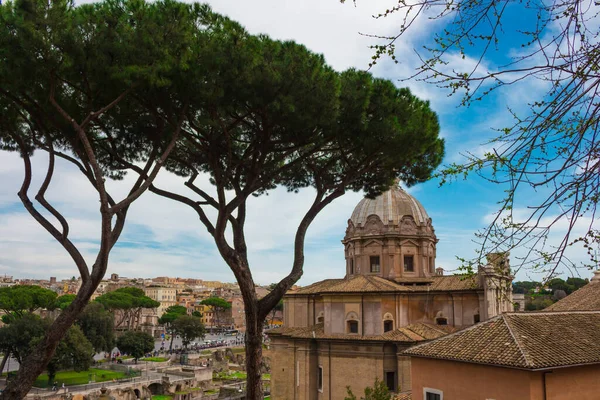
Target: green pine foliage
(379, 391)
(135, 343)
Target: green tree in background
(20, 337)
(135, 344)
(21, 299)
(127, 303)
(219, 306)
(73, 352)
(64, 301)
(97, 324)
(188, 328)
(568, 286)
(538, 303)
(577, 283)
(525, 287)
(167, 319)
(16, 337)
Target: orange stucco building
(465, 381)
(518, 356)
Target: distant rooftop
(586, 298)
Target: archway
(137, 393)
(156, 388)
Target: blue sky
(164, 238)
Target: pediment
(410, 242)
(373, 242)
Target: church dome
(390, 207)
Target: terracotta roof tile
(376, 284)
(417, 332)
(454, 282)
(403, 396)
(316, 287)
(443, 283)
(586, 298)
(355, 284)
(523, 340)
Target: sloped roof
(522, 340)
(403, 396)
(586, 298)
(377, 284)
(454, 282)
(354, 284)
(412, 333)
(442, 283)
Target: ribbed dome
(390, 207)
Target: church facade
(353, 330)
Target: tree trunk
(51, 377)
(4, 360)
(35, 363)
(254, 336)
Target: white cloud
(166, 238)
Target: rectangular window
(388, 325)
(390, 380)
(432, 394)
(351, 266)
(431, 266)
(409, 265)
(352, 326)
(320, 378)
(375, 265)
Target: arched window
(388, 322)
